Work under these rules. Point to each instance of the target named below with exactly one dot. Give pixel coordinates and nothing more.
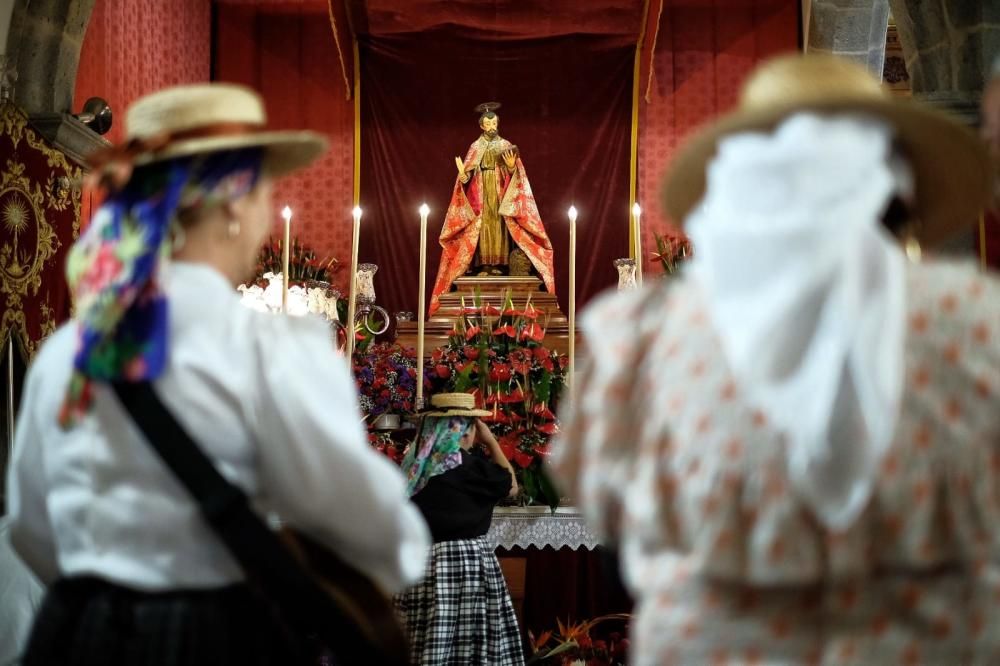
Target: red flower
(540, 353)
(500, 373)
(507, 448)
(489, 311)
(471, 332)
(533, 332)
(514, 396)
(530, 312)
(507, 330)
(519, 362)
(548, 428)
(471, 353)
(442, 371)
(522, 459)
(542, 410)
(542, 450)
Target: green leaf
(463, 380)
(530, 481)
(543, 387)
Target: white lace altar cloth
(537, 526)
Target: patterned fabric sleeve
(593, 455)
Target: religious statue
(491, 205)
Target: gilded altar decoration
(491, 205)
(39, 219)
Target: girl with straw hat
(461, 612)
(794, 445)
(135, 575)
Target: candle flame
(424, 209)
(356, 212)
(286, 213)
(636, 209)
(572, 213)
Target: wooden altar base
(492, 290)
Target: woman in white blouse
(135, 574)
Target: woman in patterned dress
(461, 613)
(796, 444)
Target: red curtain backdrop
(133, 47)
(287, 52)
(700, 56)
(566, 104)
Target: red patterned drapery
(695, 58)
(39, 219)
(287, 51)
(133, 47)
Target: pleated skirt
(461, 613)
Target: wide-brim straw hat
(207, 118)
(951, 165)
(455, 404)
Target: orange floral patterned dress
(725, 562)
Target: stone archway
(44, 42)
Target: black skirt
(88, 621)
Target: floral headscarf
(115, 269)
(435, 451)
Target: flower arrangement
(386, 377)
(303, 264)
(579, 644)
(497, 354)
(671, 250)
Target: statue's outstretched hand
(461, 166)
(510, 158)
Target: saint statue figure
(491, 205)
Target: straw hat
(951, 165)
(455, 404)
(206, 118)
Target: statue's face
(489, 126)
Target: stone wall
(949, 47)
(850, 28)
(45, 38)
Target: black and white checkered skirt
(461, 612)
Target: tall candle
(424, 211)
(572, 294)
(286, 214)
(351, 305)
(637, 233)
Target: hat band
(123, 155)
(129, 150)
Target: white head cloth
(806, 291)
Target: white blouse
(266, 397)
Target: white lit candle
(424, 212)
(637, 232)
(286, 214)
(351, 305)
(572, 293)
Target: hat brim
(951, 166)
(284, 152)
(458, 412)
